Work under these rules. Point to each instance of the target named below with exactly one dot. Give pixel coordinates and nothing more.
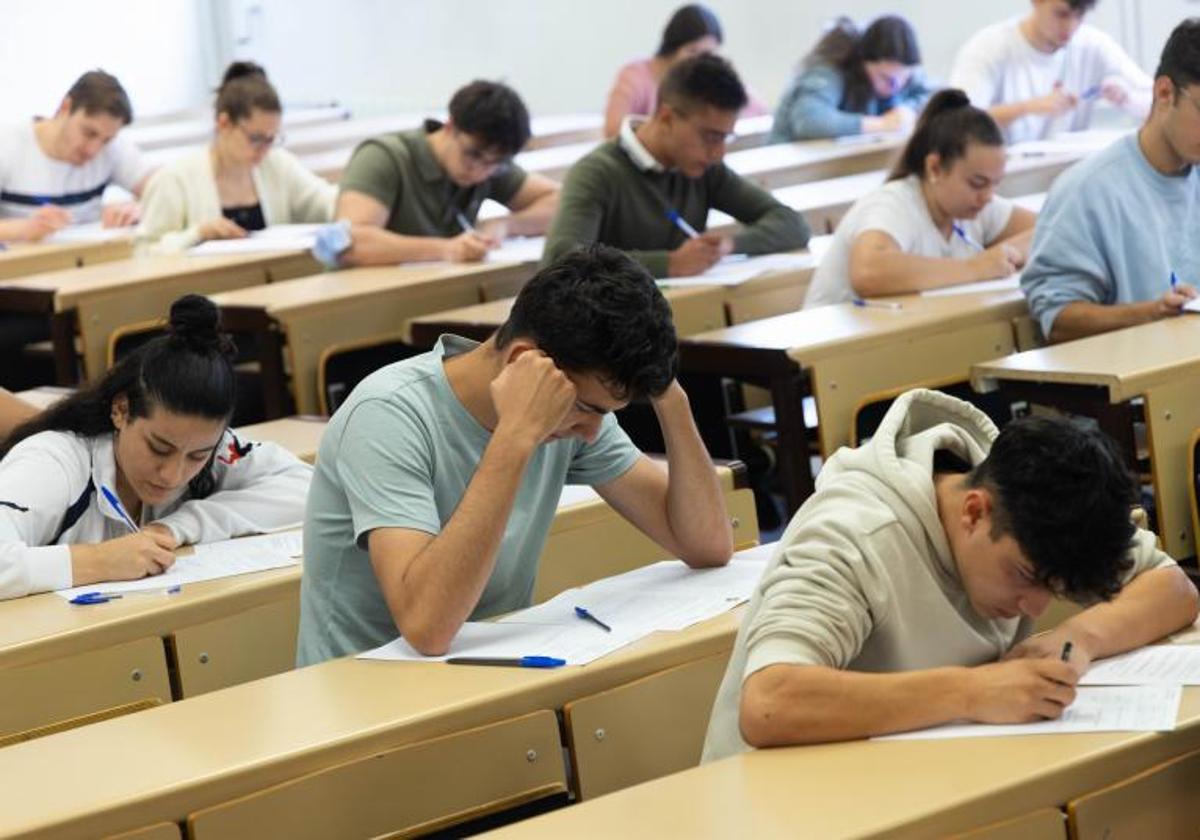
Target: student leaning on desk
(1116, 243)
(903, 592)
(649, 191)
(415, 195)
(53, 172)
(106, 483)
(937, 221)
(241, 182)
(438, 479)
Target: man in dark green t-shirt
(415, 195)
(625, 193)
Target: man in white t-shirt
(54, 171)
(1045, 72)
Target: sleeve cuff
(779, 652)
(49, 568)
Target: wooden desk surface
(299, 434)
(133, 770)
(900, 789)
(813, 334)
(23, 259)
(1126, 361)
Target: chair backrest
(125, 339)
(343, 366)
(1194, 481)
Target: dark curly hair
(703, 80)
(494, 114)
(1065, 496)
(596, 310)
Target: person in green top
(414, 195)
(625, 192)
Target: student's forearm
(534, 220)
(1151, 606)
(1081, 319)
(376, 246)
(897, 273)
(444, 582)
(779, 229)
(696, 510)
(808, 704)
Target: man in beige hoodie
(903, 593)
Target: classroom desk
(844, 353)
(94, 300)
(899, 789)
(1098, 376)
(299, 434)
(195, 129)
(23, 259)
(239, 741)
(311, 314)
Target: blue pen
(863, 303)
(464, 222)
(93, 598)
(583, 613)
(116, 505)
(682, 224)
(1174, 280)
(962, 234)
(518, 662)
(1090, 93)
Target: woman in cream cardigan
(240, 183)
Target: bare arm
(1080, 319)
(373, 245)
(682, 510)
(878, 267)
(533, 206)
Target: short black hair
(703, 80)
(689, 23)
(244, 88)
(493, 113)
(1180, 61)
(1064, 493)
(596, 310)
(98, 92)
(1082, 6)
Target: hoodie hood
(900, 457)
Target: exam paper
(1155, 664)
(274, 238)
(1192, 305)
(574, 494)
(518, 249)
(210, 561)
(1001, 285)
(662, 596)
(1143, 708)
(92, 232)
(737, 269)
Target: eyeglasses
(711, 138)
(477, 156)
(261, 141)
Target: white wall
(152, 46)
(561, 55)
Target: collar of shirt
(427, 164)
(633, 147)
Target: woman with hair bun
(239, 183)
(854, 82)
(692, 30)
(937, 221)
(152, 433)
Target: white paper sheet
(519, 249)
(210, 561)
(1003, 284)
(88, 233)
(663, 596)
(1192, 305)
(273, 238)
(735, 270)
(1152, 665)
(1143, 708)
(574, 494)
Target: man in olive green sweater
(626, 192)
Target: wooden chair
(342, 366)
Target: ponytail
(947, 125)
(188, 371)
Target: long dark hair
(846, 49)
(948, 123)
(187, 371)
(245, 88)
(689, 23)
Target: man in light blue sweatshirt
(1116, 242)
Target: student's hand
(1172, 301)
(467, 247)
(1056, 102)
(1115, 90)
(162, 534)
(124, 558)
(696, 256)
(1049, 645)
(41, 223)
(1020, 690)
(900, 118)
(221, 228)
(493, 230)
(124, 214)
(532, 397)
(1000, 260)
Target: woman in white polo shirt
(106, 483)
(937, 221)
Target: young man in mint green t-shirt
(438, 479)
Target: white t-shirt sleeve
(977, 69)
(130, 166)
(1116, 62)
(994, 219)
(892, 212)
